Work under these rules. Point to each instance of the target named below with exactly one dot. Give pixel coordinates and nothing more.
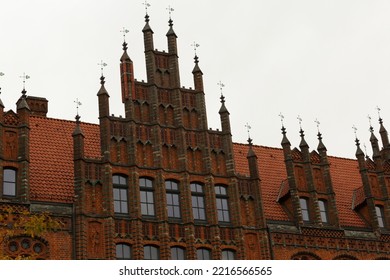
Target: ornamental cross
(102, 65)
(379, 111)
(146, 4)
(195, 45)
(300, 121)
(124, 31)
(354, 130)
(24, 77)
(248, 128)
(281, 118)
(170, 10)
(221, 85)
(318, 124)
(369, 120)
(78, 104)
(1, 74)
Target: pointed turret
(385, 140)
(171, 35)
(198, 75)
(224, 115)
(360, 155)
(78, 140)
(149, 48)
(103, 96)
(127, 75)
(374, 145)
(252, 161)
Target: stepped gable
(51, 157)
(344, 172)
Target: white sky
(318, 59)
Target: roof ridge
(62, 120)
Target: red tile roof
(344, 172)
(51, 157)
(51, 168)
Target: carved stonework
(95, 240)
(10, 145)
(252, 246)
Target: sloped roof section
(51, 157)
(344, 172)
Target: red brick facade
(157, 183)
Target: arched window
(203, 254)
(198, 201)
(380, 215)
(322, 205)
(304, 209)
(123, 252)
(120, 188)
(147, 196)
(222, 203)
(228, 255)
(9, 182)
(178, 253)
(173, 199)
(151, 252)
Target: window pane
(228, 255)
(203, 254)
(115, 179)
(9, 175)
(116, 194)
(124, 207)
(9, 189)
(123, 251)
(304, 209)
(151, 253)
(177, 253)
(379, 214)
(117, 206)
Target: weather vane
(170, 9)
(1, 74)
(195, 45)
(124, 31)
(318, 125)
(379, 111)
(300, 121)
(369, 120)
(102, 65)
(146, 4)
(248, 128)
(221, 85)
(78, 104)
(354, 130)
(24, 77)
(281, 118)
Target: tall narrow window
(178, 253)
(151, 253)
(147, 196)
(9, 182)
(173, 199)
(120, 194)
(198, 203)
(323, 211)
(380, 216)
(304, 209)
(222, 203)
(228, 255)
(123, 252)
(203, 254)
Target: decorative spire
(24, 78)
(78, 104)
(248, 128)
(359, 151)
(374, 141)
(170, 22)
(285, 140)
(195, 45)
(302, 133)
(1, 74)
(147, 5)
(102, 65)
(124, 31)
(321, 145)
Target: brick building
(158, 184)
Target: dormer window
(304, 209)
(380, 216)
(323, 211)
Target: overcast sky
(326, 60)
